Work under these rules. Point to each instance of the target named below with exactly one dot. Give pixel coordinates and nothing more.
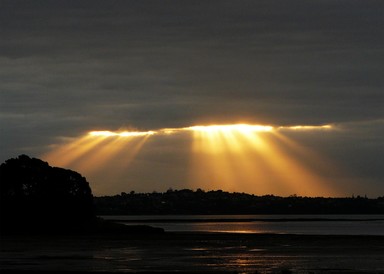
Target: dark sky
(68, 67)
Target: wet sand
(193, 252)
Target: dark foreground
(193, 252)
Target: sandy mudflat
(194, 252)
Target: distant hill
(187, 201)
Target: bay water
(275, 224)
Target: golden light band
(105, 133)
(245, 128)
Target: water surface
(278, 224)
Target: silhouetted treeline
(219, 202)
(38, 198)
(34, 194)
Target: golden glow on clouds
(232, 128)
(244, 128)
(236, 157)
(106, 133)
(323, 127)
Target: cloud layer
(68, 67)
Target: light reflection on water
(277, 224)
(201, 256)
(241, 253)
(202, 252)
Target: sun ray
(259, 161)
(294, 174)
(99, 156)
(66, 154)
(253, 158)
(306, 154)
(96, 149)
(262, 175)
(232, 165)
(119, 160)
(321, 166)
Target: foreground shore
(193, 252)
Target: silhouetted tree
(32, 193)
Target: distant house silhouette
(38, 196)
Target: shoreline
(229, 220)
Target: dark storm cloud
(71, 66)
(192, 52)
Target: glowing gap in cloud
(300, 127)
(106, 133)
(229, 128)
(210, 128)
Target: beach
(194, 252)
